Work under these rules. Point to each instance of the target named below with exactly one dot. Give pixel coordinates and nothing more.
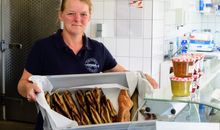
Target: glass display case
(200, 106)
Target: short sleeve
(110, 61)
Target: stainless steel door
(23, 22)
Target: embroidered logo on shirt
(92, 65)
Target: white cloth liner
(58, 121)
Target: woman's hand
(152, 81)
(26, 88)
(119, 68)
(31, 91)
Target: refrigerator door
(24, 21)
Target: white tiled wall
(157, 36)
(129, 32)
(194, 21)
(123, 47)
(109, 9)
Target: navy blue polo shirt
(51, 56)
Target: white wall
(194, 20)
(130, 32)
(158, 36)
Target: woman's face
(75, 16)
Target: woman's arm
(119, 68)
(26, 88)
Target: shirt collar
(61, 44)
(86, 42)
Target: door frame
(2, 65)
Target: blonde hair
(88, 2)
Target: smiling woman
(75, 16)
(69, 51)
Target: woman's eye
(71, 13)
(84, 14)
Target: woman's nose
(77, 17)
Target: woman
(68, 51)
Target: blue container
(202, 113)
(184, 45)
(201, 5)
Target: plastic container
(183, 66)
(181, 86)
(184, 45)
(202, 113)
